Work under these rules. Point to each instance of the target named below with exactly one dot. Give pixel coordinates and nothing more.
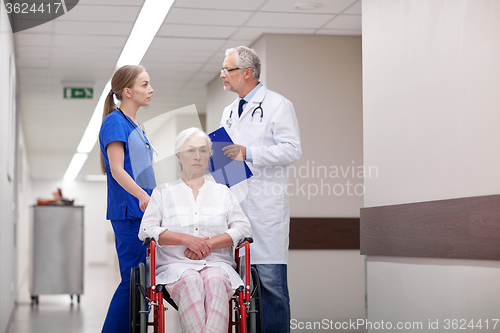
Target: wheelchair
(146, 297)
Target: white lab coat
(275, 144)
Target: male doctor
(264, 128)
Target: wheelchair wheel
(138, 306)
(255, 321)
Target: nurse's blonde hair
(123, 78)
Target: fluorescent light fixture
(75, 166)
(92, 131)
(306, 5)
(146, 26)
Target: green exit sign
(78, 92)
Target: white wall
(431, 126)
(165, 164)
(321, 75)
(7, 157)
(217, 100)
(431, 99)
(25, 201)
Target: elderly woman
(196, 222)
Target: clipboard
(224, 169)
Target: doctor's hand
(235, 152)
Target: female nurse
(127, 161)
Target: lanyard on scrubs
(147, 144)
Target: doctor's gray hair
(186, 134)
(246, 58)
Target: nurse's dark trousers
(130, 253)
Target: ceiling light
(306, 6)
(146, 26)
(75, 166)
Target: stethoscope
(258, 109)
(147, 144)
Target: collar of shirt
(250, 95)
(189, 189)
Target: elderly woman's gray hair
(246, 58)
(186, 134)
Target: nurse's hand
(144, 201)
(235, 152)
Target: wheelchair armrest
(148, 241)
(246, 239)
(249, 239)
(242, 243)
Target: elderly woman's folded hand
(197, 246)
(192, 255)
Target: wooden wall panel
(465, 228)
(324, 233)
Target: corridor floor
(55, 314)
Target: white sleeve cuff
(249, 155)
(235, 235)
(155, 233)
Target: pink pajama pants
(203, 300)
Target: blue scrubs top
(138, 163)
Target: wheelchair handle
(249, 239)
(147, 241)
(242, 243)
